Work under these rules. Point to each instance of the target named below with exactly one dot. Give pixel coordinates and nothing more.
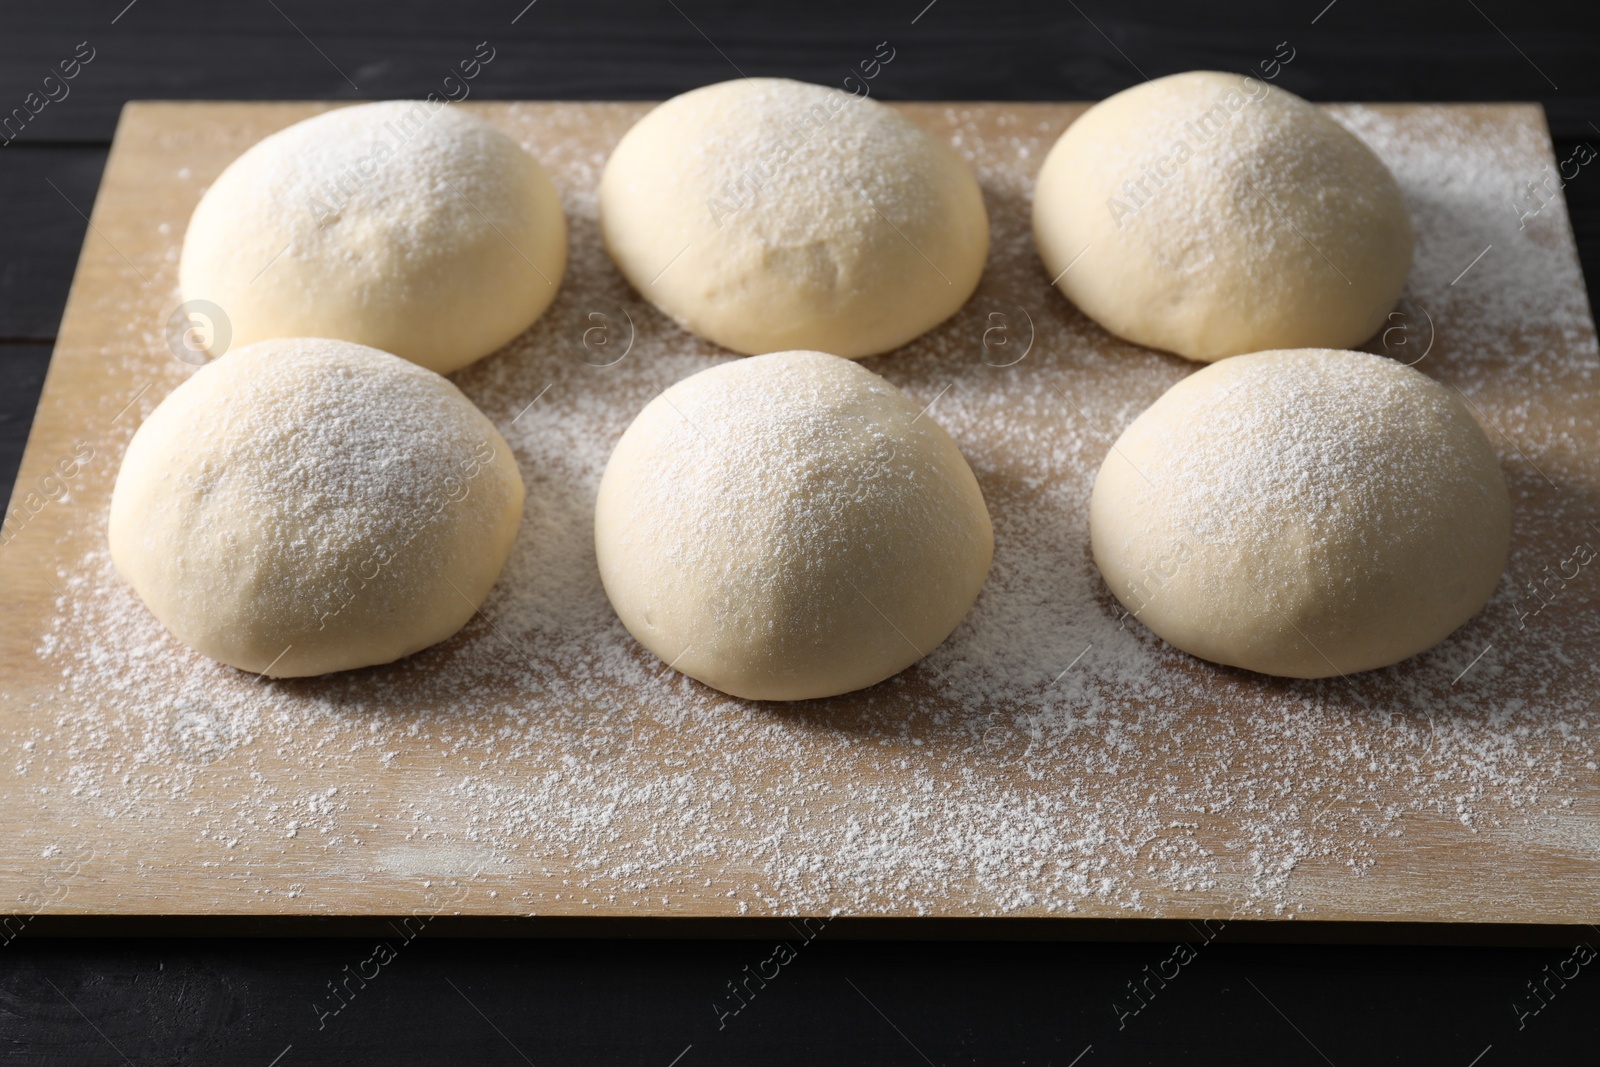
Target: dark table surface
(141, 995)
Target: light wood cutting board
(540, 763)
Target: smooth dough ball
(789, 526)
(1216, 215)
(409, 226)
(768, 214)
(1302, 513)
(302, 506)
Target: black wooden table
(872, 995)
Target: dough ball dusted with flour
(1302, 513)
(790, 526)
(1212, 214)
(408, 225)
(768, 214)
(306, 506)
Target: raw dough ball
(789, 526)
(304, 506)
(769, 214)
(407, 225)
(1216, 215)
(1302, 513)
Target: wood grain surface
(111, 366)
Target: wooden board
(1045, 761)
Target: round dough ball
(302, 506)
(1302, 513)
(789, 526)
(768, 214)
(1217, 215)
(407, 225)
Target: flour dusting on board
(1050, 757)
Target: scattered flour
(1044, 760)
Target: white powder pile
(1045, 759)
